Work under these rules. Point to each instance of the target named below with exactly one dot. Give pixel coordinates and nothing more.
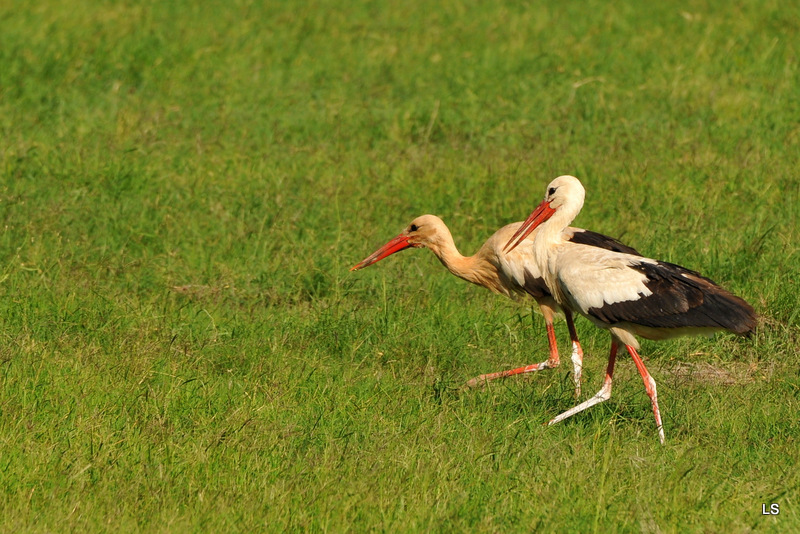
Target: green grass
(183, 190)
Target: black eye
(413, 228)
(551, 191)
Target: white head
(564, 197)
(565, 191)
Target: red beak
(539, 215)
(395, 245)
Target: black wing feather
(680, 298)
(593, 239)
(534, 286)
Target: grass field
(183, 190)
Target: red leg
(550, 363)
(650, 387)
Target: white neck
(548, 242)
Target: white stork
(509, 274)
(625, 294)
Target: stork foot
(601, 396)
(482, 380)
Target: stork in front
(625, 294)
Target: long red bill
(395, 245)
(539, 215)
